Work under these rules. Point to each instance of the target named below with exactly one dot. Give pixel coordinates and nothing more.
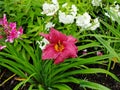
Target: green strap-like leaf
(62, 87)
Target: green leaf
(112, 29)
(92, 85)
(62, 87)
(23, 82)
(108, 47)
(85, 71)
(84, 83)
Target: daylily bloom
(10, 29)
(60, 46)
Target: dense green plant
(23, 57)
(25, 61)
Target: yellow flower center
(59, 47)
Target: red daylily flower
(60, 47)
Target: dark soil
(102, 79)
(98, 78)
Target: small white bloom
(66, 19)
(70, 16)
(96, 2)
(50, 9)
(43, 43)
(64, 5)
(55, 2)
(95, 24)
(49, 25)
(73, 10)
(83, 20)
(114, 12)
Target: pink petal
(20, 31)
(5, 23)
(12, 25)
(54, 36)
(71, 39)
(60, 58)
(12, 36)
(70, 49)
(49, 52)
(2, 47)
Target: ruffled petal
(56, 36)
(60, 58)
(49, 52)
(71, 39)
(70, 49)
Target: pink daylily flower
(60, 46)
(10, 29)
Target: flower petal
(49, 52)
(70, 51)
(71, 39)
(54, 36)
(2, 47)
(60, 58)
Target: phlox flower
(95, 24)
(50, 9)
(49, 25)
(60, 46)
(67, 18)
(43, 43)
(96, 2)
(83, 20)
(10, 29)
(114, 11)
(2, 47)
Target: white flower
(95, 24)
(66, 19)
(64, 5)
(49, 25)
(96, 2)
(73, 10)
(50, 9)
(113, 12)
(83, 20)
(43, 43)
(70, 16)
